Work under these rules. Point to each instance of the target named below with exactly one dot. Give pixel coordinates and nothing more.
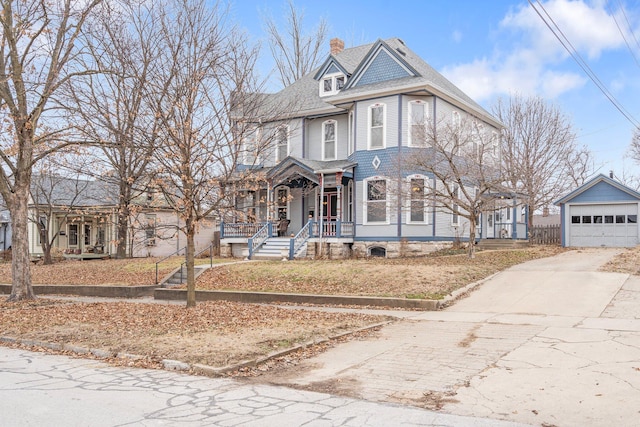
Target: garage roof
(600, 189)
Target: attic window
(331, 84)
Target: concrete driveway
(551, 342)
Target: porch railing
(240, 229)
(299, 240)
(259, 238)
(333, 229)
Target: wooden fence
(545, 235)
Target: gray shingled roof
(60, 191)
(302, 97)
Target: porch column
(339, 203)
(514, 219)
(270, 204)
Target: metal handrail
(167, 257)
(299, 239)
(210, 248)
(259, 238)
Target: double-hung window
(329, 140)
(282, 143)
(418, 115)
(376, 126)
(376, 200)
(417, 200)
(250, 147)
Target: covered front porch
(504, 216)
(304, 202)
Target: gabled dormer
(331, 77)
(382, 63)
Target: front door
(330, 207)
(490, 225)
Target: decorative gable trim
(330, 66)
(381, 55)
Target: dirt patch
(626, 262)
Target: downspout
(304, 133)
(321, 211)
(399, 207)
(433, 231)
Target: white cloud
(532, 61)
(589, 28)
(456, 36)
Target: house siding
(382, 68)
(602, 192)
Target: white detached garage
(601, 212)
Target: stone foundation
(398, 249)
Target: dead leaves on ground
(215, 333)
(424, 277)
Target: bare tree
(39, 54)
(114, 109)
(207, 74)
(539, 151)
(295, 52)
(463, 159)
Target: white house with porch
(332, 177)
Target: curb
(177, 365)
(105, 291)
(462, 292)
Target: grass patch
(430, 277)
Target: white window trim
(288, 137)
(252, 135)
(426, 191)
(350, 147)
(384, 126)
(410, 121)
(365, 204)
(334, 84)
(335, 140)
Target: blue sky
(495, 48)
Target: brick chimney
(336, 45)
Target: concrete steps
(180, 276)
(273, 249)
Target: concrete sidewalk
(37, 389)
(549, 342)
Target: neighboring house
(81, 215)
(601, 212)
(5, 230)
(332, 169)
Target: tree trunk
(21, 288)
(46, 246)
(191, 249)
(122, 229)
(471, 247)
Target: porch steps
(273, 249)
(502, 244)
(176, 280)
